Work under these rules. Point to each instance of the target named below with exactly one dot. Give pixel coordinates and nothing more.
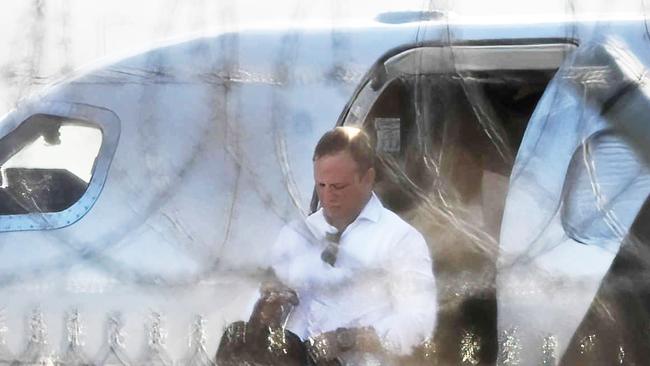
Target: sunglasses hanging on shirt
(332, 250)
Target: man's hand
(274, 305)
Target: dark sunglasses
(332, 250)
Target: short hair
(350, 139)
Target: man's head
(344, 174)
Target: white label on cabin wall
(388, 134)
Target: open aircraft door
(572, 270)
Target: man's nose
(328, 193)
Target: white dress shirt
(383, 277)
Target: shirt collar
(371, 212)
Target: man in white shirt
(363, 276)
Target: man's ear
(370, 176)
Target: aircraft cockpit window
(46, 164)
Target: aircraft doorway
(447, 123)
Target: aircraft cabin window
(602, 183)
(46, 164)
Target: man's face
(342, 189)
